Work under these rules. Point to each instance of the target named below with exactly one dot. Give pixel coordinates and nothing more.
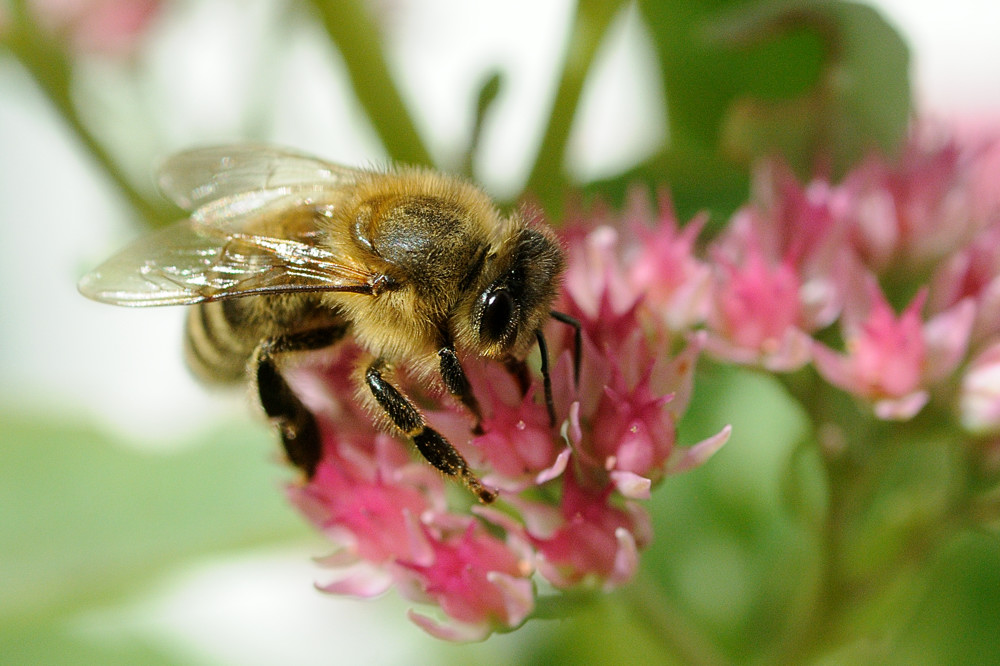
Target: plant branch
(50, 67)
(590, 24)
(356, 36)
(668, 625)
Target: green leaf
(85, 519)
(816, 81)
(55, 643)
(696, 179)
(860, 100)
(959, 619)
(901, 504)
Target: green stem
(867, 610)
(51, 68)
(356, 36)
(668, 625)
(590, 23)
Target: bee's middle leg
(297, 426)
(431, 444)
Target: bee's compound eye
(498, 311)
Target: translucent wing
(189, 262)
(224, 181)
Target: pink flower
(664, 268)
(914, 213)
(587, 540)
(775, 277)
(517, 444)
(568, 506)
(972, 273)
(757, 316)
(480, 583)
(789, 223)
(979, 396)
(893, 361)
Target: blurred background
(142, 517)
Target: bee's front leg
(296, 424)
(458, 384)
(431, 444)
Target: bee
(284, 253)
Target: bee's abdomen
(217, 343)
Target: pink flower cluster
(886, 283)
(815, 274)
(569, 510)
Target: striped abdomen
(220, 339)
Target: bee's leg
(518, 369)
(458, 384)
(543, 352)
(431, 444)
(577, 341)
(296, 424)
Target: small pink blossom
(480, 583)
(757, 316)
(586, 540)
(972, 273)
(893, 361)
(517, 442)
(917, 211)
(664, 268)
(979, 396)
(800, 226)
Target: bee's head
(512, 300)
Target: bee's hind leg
(431, 444)
(297, 426)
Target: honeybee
(284, 252)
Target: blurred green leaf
(604, 632)
(55, 644)
(860, 100)
(899, 502)
(959, 617)
(696, 179)
(702, 75)
(85, 519)
(804, 490)
(818, 82)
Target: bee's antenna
(543, 351)
(577, 342)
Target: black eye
(498, 310)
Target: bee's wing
(190, 263)
(233, 179)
